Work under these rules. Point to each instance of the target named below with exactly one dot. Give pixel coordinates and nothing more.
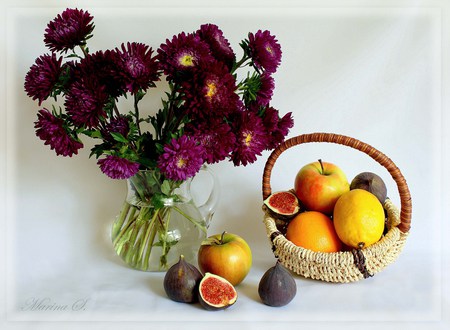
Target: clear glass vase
(159, 221)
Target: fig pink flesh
(217, 292)
(283, 202)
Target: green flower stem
(150, 228)
(128, 215)
(138, 230)
(203, 228)
(125, 241)
(240, 63)
(135, 234)
(130, 253)
(167, 127)
(154, 229)
(116, 110)
(140, 244)
(121, 219)
(136, 112)
(165, 251)
(123, 244)
(85, 50)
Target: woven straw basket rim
(346, 266)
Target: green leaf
(140, 95)
(157, 201)
(95, 134)
(119, 137)
(109, 106)
(73, 55)
(98, 150)
(165, 188)
(89, 36)
(147, 162)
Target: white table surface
(373, 70)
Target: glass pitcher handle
(208, 208)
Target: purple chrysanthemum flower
(85, 102)
(215, 136)
(42, 77)
(182, 159)
(265, 51)
(117, 167)
(102, 67)
(183, 53)
(251, 138)
(116, 125)
(265, 92)
(137, 66)
(70, 29)
(219, 45)
(50, 129)
(285, 124)
(277, 128)
(211, 91)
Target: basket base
(338, 267)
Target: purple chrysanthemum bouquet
(207, 115)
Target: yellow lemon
(358, 218)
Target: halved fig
(283, 204)
(216, 293)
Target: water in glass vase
(157, 224)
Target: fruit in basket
(227, 255)
(372, 183)
(314, 231)
(318, 185)
(359, 218)
(282, 204)
(216, 293)
(181, 282)
(277, 287)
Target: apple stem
(321, 165)
(221, 237)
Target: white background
(373, 70)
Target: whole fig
(372, 183)
(277, 286)
(181, 282)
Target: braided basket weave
(347, 266)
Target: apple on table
(227, 255)
(318, 186)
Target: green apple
(227, 255)
(319, 185)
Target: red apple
(319, 185)
(227, 255)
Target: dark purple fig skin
(372, 183)
(277, 287)
(181, 282)
(209, 307)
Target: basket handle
(382, 159)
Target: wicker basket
(347, 266)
